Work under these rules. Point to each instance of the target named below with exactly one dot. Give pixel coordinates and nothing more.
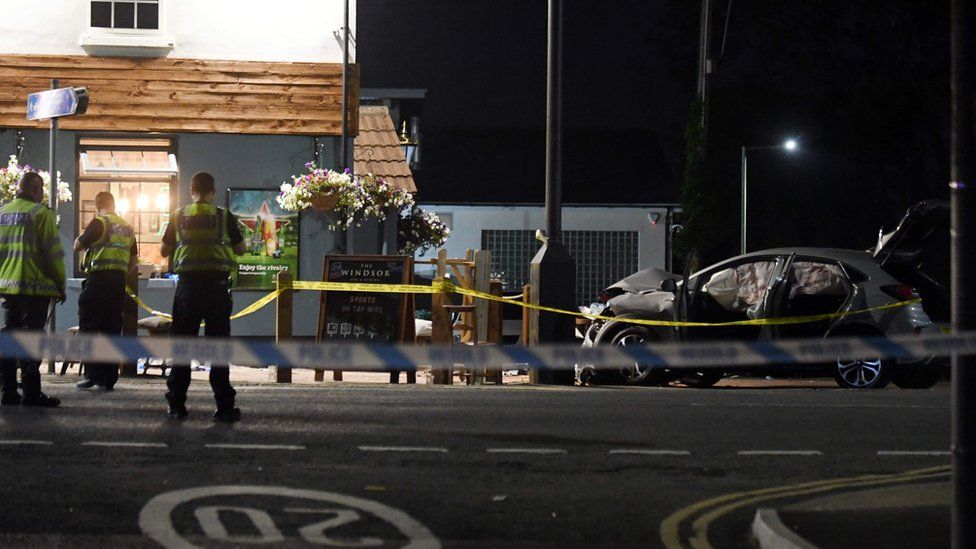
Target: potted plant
(10, 178)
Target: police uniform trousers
(100, 312)
(23, 312)
(201, 297)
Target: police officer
(202, 241)
(111, 254)
(31, 276)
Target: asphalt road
(372, 466)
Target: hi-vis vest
(28, 243)
(112, 250)
(202, 239)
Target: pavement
(485, 466)
(910, 515)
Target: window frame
(171, 149)
(133, 32)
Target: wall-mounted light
(654, 217)
(410, 141)
(142, 202)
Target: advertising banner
(270, 238)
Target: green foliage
(692, 190)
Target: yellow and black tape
(253, 307)
(448, 287)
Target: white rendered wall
(246, 30)
(468, 222)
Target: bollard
(494, 329)
(526, 316)
(283, 320)
(442, 331)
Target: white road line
(254, 446)
(883, 453)
(646, 452)
(125, 444)
(539, 451)
(27, 442)
(791, 405)
(415, 449)
(779, 453)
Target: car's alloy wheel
(643, 374)
(861, 373)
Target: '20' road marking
(156, 518)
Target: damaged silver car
(790, 282)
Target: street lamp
(790, 146)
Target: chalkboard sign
(365, 317)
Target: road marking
(27, 442)
(539, 451)
(125, 444)
(254, 446)
(913, 453)
(403, 449)
(779, 453)
(209, 503)
(646, 452)
(788, 405)
(672, 526)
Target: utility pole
(962, 167)
(704, 64)
(344, 144)
(552, 272)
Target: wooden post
(442, 331)
(493, 329)
(283, 320)
(482, 276)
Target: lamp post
(790, 146)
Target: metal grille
(602, 257)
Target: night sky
(863, 85)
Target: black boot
(227, 415)
(10, 398)
(41, 401)
(85, 384)
(177, 406)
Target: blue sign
(55, 103)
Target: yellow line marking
(670, 530)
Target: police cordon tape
(447, 287)
(379, 358)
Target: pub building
(181, 86)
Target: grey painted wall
(240, 161)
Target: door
(729, 292)
(814, 286)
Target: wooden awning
(184, 95)
(378, 149)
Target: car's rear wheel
(915, 376)
(638, 374)
(701, 379)
(862, 373)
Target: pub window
(136, 15)
(141, 175)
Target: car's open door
(777, 292)
(682, 298)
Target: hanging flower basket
(324, 202)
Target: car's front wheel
(862, 373)
(638, 374)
